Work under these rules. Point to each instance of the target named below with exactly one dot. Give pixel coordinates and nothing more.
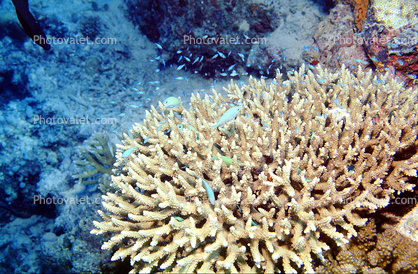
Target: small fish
(180, 78)
(229, 115)
(171, 102)
(321, 81)
(224, 74)
(187, 59)
(201, 58)
(412, 76)
(128, 152)
(140, 92)
(133, 106)
(195, 60)
(138, 83)
(146, 139)
(214, 56)
(209, 191)
(242, 56)
(228, 161)
(221, 54)
(181, 56)
(400, 62)
(180, 219)
(392, 45)
(179, 51)
(180, 67)
(361, 61)
(122, 114)
(231, 67)
(233, 73)
(374, 59)
(158, 46)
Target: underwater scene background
(208, 136)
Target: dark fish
(29, 24)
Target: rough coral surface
(372, 252)
(396, 14)
(337, 43)
(302, 161)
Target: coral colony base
(292, 173)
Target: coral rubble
(291, 175)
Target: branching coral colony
(292, 174)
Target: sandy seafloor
(37, 155)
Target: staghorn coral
(308, 157)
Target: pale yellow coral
(301, 175)
(396, 14)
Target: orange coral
(360, 9)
